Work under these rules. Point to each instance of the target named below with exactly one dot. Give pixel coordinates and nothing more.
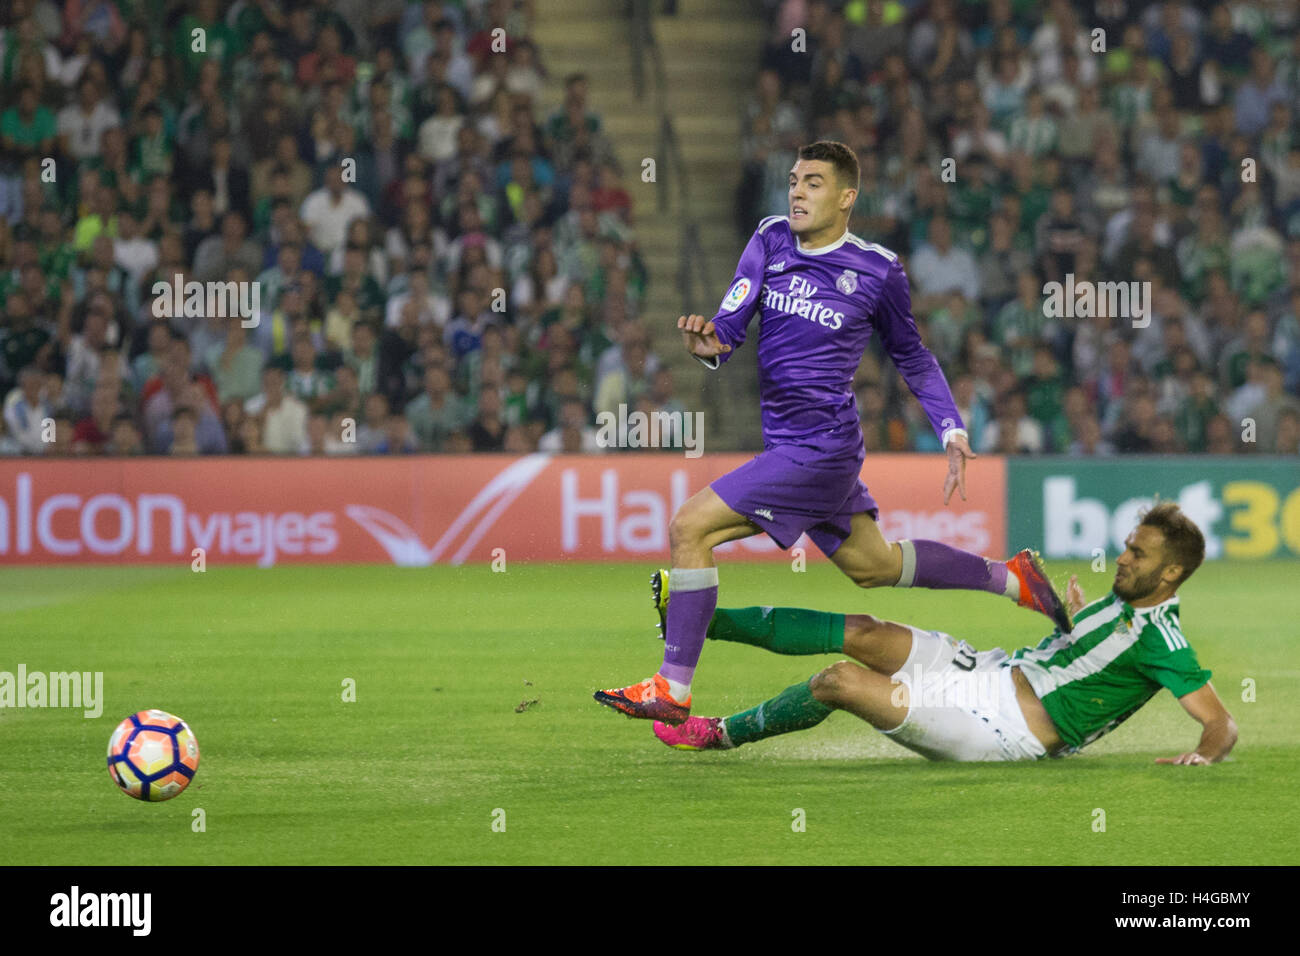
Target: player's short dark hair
(1184, 543)
(839, 156)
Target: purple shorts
(790, 489)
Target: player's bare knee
(860, 625)
(684, 532)
(830, 685)
(874, 575)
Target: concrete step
(595, 9)
(738, 10)
(574, 27)
(716, 236)
(606, 68)
(665, 256)
(673, 33)
(709, 209)
(720, 257)
(710, 53)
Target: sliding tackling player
(946, 701)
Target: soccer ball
(153, 755)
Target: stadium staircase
(704, 68)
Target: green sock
(783, 630)
(795, 708)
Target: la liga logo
(738, 294)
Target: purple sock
(692, 601)
(930, 564)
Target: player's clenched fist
(699, 336)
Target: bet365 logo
(1074, 526)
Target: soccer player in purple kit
(820, 292)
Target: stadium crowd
(441, 267)
(438, 265)
(1002, 149)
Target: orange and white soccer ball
(153, 755)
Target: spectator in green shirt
(236, 366)
(27, 128)
(1205, 250)
(1045, 398)
(55, 254)
(1035, 132)
(1192, 417)
(152, 149)
(201, 35)
(1252, 345)
(306, 381)
(1021, 323)
(24, 342)
(363, 357)
(437, 411)
(346, 398)
(1258, 267)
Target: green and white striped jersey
(1115, 660)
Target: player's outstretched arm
(1219, 733)
(700, 337)
(896, 326)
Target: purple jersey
(817, 312)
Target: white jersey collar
(1169, 603)
(798, 245)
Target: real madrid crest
(847, 282)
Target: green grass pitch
(413, 770)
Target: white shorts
(962, 703)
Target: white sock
(908, 574)
(679, 691)
(1013, 586)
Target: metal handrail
(638, 14)
(692, 265)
